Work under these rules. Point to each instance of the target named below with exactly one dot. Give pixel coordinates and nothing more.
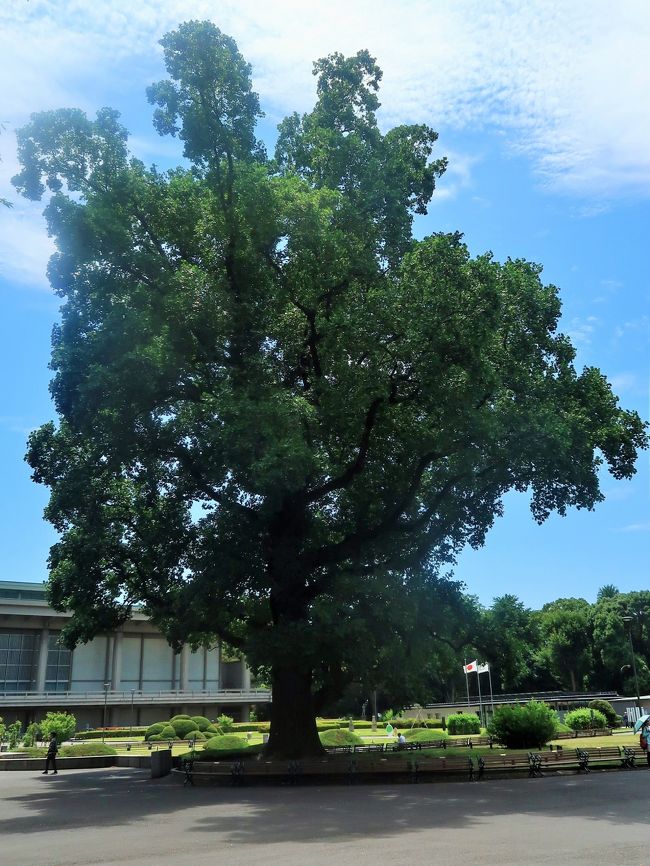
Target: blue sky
(542, 109)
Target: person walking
(50, 760)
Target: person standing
(50, 760)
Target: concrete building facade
(130, 677)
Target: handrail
(137, 695)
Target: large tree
(274, 405)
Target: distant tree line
(570, 644)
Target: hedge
(81, 750)
(201, 722)
(530, 726)
(115, 734)
(463, 723)
(585, 719)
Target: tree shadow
(121, 797)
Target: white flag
(483, 669)
(471, 667)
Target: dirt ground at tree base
(121, 816)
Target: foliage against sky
(542, 110)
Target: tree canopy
(278, 413)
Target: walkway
(121, 817)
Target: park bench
(422, 769)
(210, 771)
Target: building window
(18, 655)
(59, 660)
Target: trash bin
(161, 763)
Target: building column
(116, 669)
(245, 676)
(43, 649)
(219, 676)
(185, 668)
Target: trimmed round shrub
(167, 733)
(339, 737)
(183, 726)
(153, 730)
(607, 710)
(225, 743)
(179, 716)
(527, 727)
(195, 735)
(424, 735)
(202, 724)
(463, 723)
(213, 729)
(585, 719)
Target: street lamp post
(106, 688)
(131, 728)
(628, 620)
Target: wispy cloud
(581, 330)
(636, 527)
(17, 424)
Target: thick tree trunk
(574, 685)
(293, 725)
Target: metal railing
(137, 696)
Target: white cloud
(636, 527)
(581, 330)
(566, 83)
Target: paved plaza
(120, 816)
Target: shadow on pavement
(117, 798)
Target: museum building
(130, 677)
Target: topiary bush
(180, 716)
(339, 737)
(527, 727)
(607, 710)
(424, 735)
(225, 743)
(214, 729)
(195, 735)
(463, 723)
(154, 730)
(202, 724)
(167, 733)
(584, 719)
(183, 727)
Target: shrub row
(81, 750)
(114, 733)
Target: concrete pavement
(120, 816)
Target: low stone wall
(35, 764)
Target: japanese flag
(471, 667)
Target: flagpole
(491, 695)
(466, 682)
(480, 705)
